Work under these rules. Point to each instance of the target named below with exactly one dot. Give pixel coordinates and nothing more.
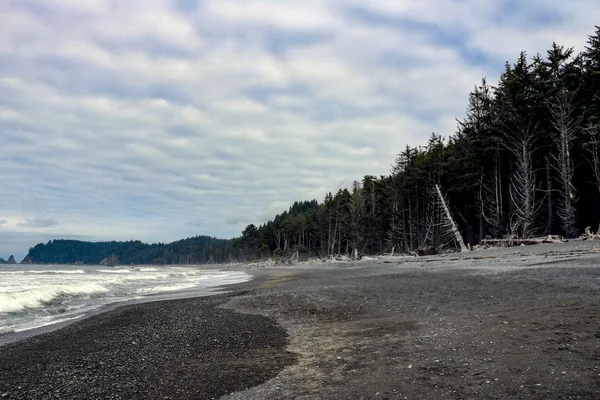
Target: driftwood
(589, 235)
(450, 224)
(514, 241)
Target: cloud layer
(157, 120)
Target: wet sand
(519, 323)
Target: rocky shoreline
(514, 323)
(177, 349)
(518, 323)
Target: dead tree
(522, 188)
(490, 198)
(441, 222)
(397, 232)
(567, 127)
(549, 208)
(356, 208)
(278, 237)
(592, 146)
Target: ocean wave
(37, 297)
(75, 271)
(21, 272)
(115, 271)
(167, 288)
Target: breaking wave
(66, 272)
(38, 297)
(42, 295)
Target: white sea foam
(76, 271)
(37, 272)
(167, 288)
(31, 298)
(43, 322)
(39, 295)
(116, 271)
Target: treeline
(195, 250)
(524, 161)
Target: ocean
(35, 296)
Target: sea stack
(110, 261)
(11, 260)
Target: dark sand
(497, 324)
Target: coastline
(176, 348)
(517, 323)
(200, 291)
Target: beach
(520, 323)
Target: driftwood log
(515, 241)
(450, 224)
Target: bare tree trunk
(498, 190)
(449, 221)
(522, 188)
(567, 128)
(548, 198)
(356, 212)
(418, 221)
(490, 200)
(335, 229)
(329, 235)
(592, 145)
(339, 241)
(410, 225)
(593, 148)
(481, 209)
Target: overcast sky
(158, 120)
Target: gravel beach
(519, 323)
(178, 349)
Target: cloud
(236, 220)
(3, 222)
(140, 119)
(194, 223)
(38, 223)
(274, 209)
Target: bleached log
(545, 239)
(455, 231)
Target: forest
(524, 162)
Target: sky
(159, 120)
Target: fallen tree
(527, 241)
(448, 223)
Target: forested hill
(200, 249)
(524, 161)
